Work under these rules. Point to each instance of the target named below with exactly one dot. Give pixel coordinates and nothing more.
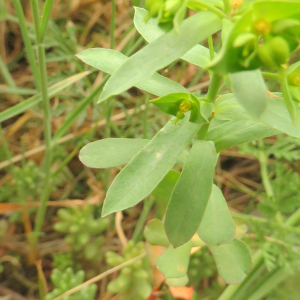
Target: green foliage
(82, 230)
(133, 281)
(66, 280)
(62, 261)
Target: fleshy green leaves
(174, 262)
(233, 261)
(140, 177)
(198, 55)
(191, 193)
(217, 226)
(178, 104)
(155, 233)
(109, 153)
(109, 61)
(161, 52)
(250, 90)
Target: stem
(211, 47)
(112, 24)
(140, 224)
(145, 120)
(46, 18)
(271, 75)
(27, 42)
(6, 75)
(210, 7)
(227, 6)
(46, 119)
(263, 160)
(213, 89)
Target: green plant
(133, 281)
(257, 38)
(82, 230)
(64, 281)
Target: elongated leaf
(144, 172)
(28, 103)
(198, 55)
(17, 90)
(251, 92)
(165, 188)
(174, 262)
(278, 117)
(109, 153)
(108, 61)
(155, 233)
(233, 261)
(191, 193)
(217, 226)
(161, 52)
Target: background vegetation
(260, 180)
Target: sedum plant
(63, 281)
(82, 229)
(256, 40)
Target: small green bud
(281, 50)
(265, 56)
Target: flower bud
(262, 27)
(281, 50)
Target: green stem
(46, 18)
(145, 120)
(5, 73)
(210, 7)
(213, 89)
(28, 46)
(271, 75)
(211, 47)
(140, 224)
(46, 120)
(227, 6)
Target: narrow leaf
(144, 172)
(28, 103)
(161, 52)
(108, 61)
(191, 193)
(155, 233)
(198, 55)
(217, 226)
(109, 153)
(174, 262)
(233, 261)
(251, 92)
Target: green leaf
(28, 103)
(198, 55)
(182, 281)
(233, 261)
(292, 106)
(217, 226)
(170, 104)
(109, 153)
(174, 262)
(165, 188)
(108, 61)
(277, 116)
(144, 172)
(161, 52)
(155, 233)
(250, 90)
(191, 193)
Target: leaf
(109, 153)
(250, 90)
(198, 55)
(233, 261)
(170, 104)
(28, 103)
(292, 106)
(191, 193)
(165, 188)
(182, 281)
(174, 262)
(161, 52)
(108, 61)
(144, 172)
(155, 233)
(217, 226)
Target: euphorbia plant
(257, 41)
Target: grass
(48, 113)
